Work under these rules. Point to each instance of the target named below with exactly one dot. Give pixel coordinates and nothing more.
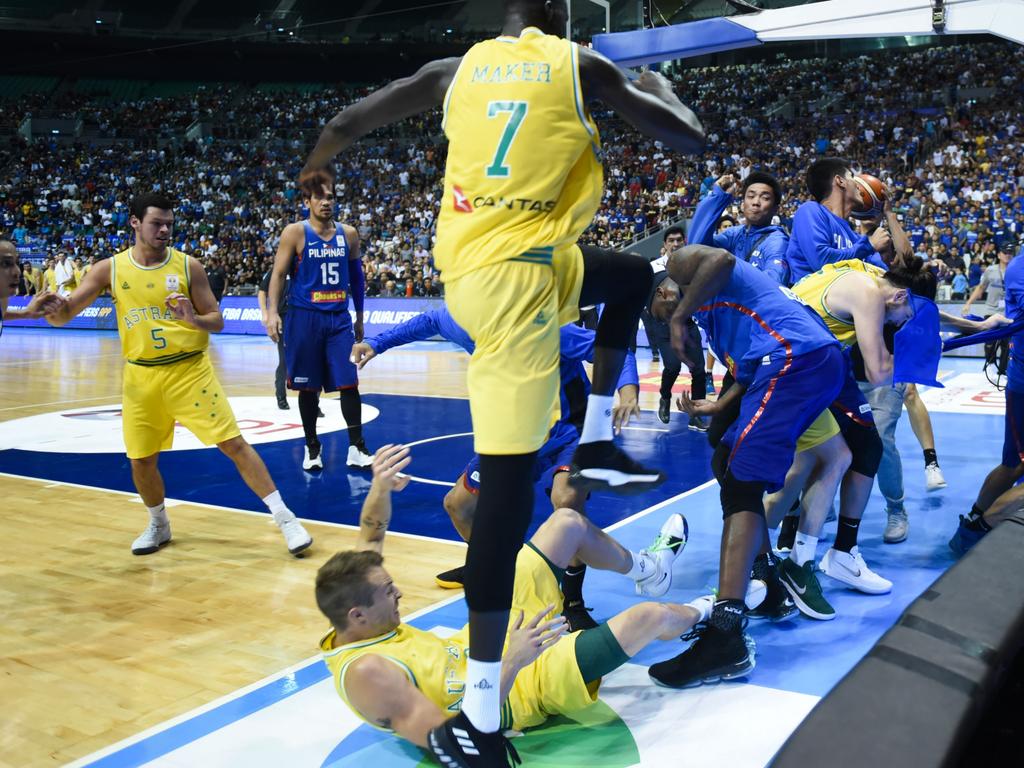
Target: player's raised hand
(181, 307)
(362, 353)
(728, 183)
(628, 407)
(526, 643)
(388, 463)
(45, 303)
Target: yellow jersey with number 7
(150, 334)
(524, 174)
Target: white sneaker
(151, 539)
(756, 591)
(666, 548)
(933, 479)
(313, 462)
(295, 536)
(850, 568)
(357, 457)
(896, 527)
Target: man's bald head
(666, 299)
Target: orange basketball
(872, 193)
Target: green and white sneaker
(666, 548)
(802, 584)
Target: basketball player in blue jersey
(10, 276)
(322, 259)
(821, 231)
(788, 369)
(555, 456)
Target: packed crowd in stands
(953, 165)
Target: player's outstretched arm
(395, 101)
(388, 463)
(649, 103)
(94, 282)
(383, 694)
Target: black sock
(930, 457)
(764, 568)
(975, 512)
(846, 534)
(790, 523)
(572, 584)
(727, 615)
(309, 404)
(352, 411)
(978, 524)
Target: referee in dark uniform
(279, 374)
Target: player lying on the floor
(408, 681)
(555, 456)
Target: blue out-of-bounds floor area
(296, 718)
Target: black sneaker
(665, 409)
(698, 424)
(787, 533)
(603, 466)
(776, 605)
(319, 413)
(715, 655)
(453, 579)
(578, 616)
(282, 403)
(457, 744)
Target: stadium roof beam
(817, 21)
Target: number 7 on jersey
(516, 112)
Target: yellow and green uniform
(550, 685)
(814, 288)
(168, 377)
(523, 180)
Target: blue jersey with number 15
(320, 273)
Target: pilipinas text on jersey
(320, 272)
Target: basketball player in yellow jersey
(402, 679)
(523, 180)
(165, 313)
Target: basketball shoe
(966, 536)
(295, 536)
(933, 477)
(451, 579)
(359, 456)
(313, 458)
(604, 466)
(151, 539)
(663, 552)
(458, 744)
(850, 568)
(721, 650)
(802, 584)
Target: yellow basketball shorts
(822, 429)
(157, 396)
(513, 310)
(553, 683)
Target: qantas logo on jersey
(514, 203)
(459, 200)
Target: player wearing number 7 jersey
(322, 258)
(165, 314)
(523, 179)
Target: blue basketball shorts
(317, 350)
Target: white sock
(158, 514)
(803, 548)
(483, 689)
(643, 566)
(277, 507)
(597, 424)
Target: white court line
(646, 429)
(317, 659)
(233, 695)
(265, 515)
(59, 402)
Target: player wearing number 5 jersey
(165, 313)
(523, 179)
(322, 259)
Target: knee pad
(865, 446)
(741, 495)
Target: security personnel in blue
(322, 258)
(788, 369)
(756, 240)
(821, 229)
(554, 458)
